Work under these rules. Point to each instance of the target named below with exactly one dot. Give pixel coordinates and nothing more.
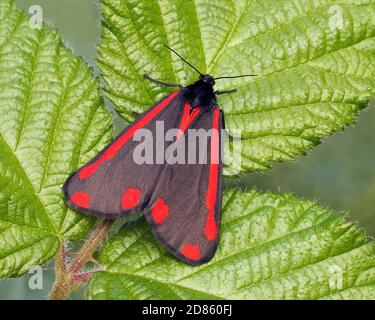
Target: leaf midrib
(278, 27)
(235, 291)
(221, 50)
(252, 248)
(172, 284)
(28, 184)
(27, 246)
(14, 31)
(29, 88)
(290, 271)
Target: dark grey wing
(184, 210)
(115, 183)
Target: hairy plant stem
(69, 277)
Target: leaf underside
(52, 120)
(315, 60)
(271, 247)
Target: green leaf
(315, 60)
(271, 247)
(51, 121)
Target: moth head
(206, 78)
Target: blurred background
(339, 173)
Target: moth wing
(113, 183)
(184, 210)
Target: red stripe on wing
(187, 117)
(111, 152)
(210, 229)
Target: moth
(181, 202)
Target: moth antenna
(189, 64)
(240, 76)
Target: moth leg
(225, 92)
(223, 123)
(167, 84)
(136, 114)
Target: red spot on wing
(130, 198)
(81, 199)
(160, 211)
(191, 251)
(111, 152)
(187, 118)
(210, 229)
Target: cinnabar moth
(181, 202)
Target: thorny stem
(68, 278)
